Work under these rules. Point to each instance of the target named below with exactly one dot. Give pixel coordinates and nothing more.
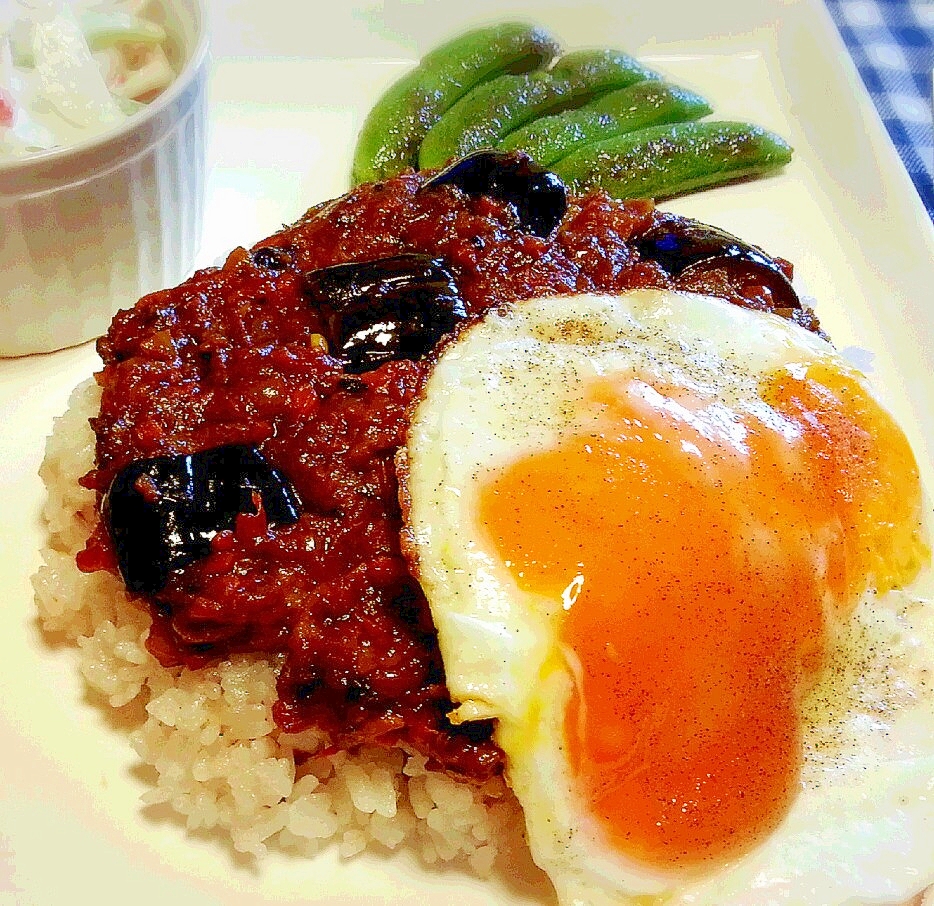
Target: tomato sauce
(235, 355)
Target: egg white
(861, 829)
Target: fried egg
(663, 539)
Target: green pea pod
(606, 69)
(485, 116)
(389, 140)
(644, 104)
(664, 161)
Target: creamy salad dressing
(71, 70)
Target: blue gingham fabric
(892, 44)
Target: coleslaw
(70, 71)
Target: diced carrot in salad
(6, 108)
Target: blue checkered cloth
(892, 44)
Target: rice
(220, 760)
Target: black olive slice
(744, 272)
(163, 512)
(686, 248)
(678, 243)
(390, 308)
(539, 196)
(272, 259)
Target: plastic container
(88, 229)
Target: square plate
(291, 83)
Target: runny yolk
(710, 552)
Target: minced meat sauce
(236, 355)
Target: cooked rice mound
(221, 761)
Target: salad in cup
(70, 71)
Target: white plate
(291, 82)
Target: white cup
(88, 229)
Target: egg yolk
(703, 554)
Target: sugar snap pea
(644, 104)
(486, 115)
(664, 161)
(393, 130)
